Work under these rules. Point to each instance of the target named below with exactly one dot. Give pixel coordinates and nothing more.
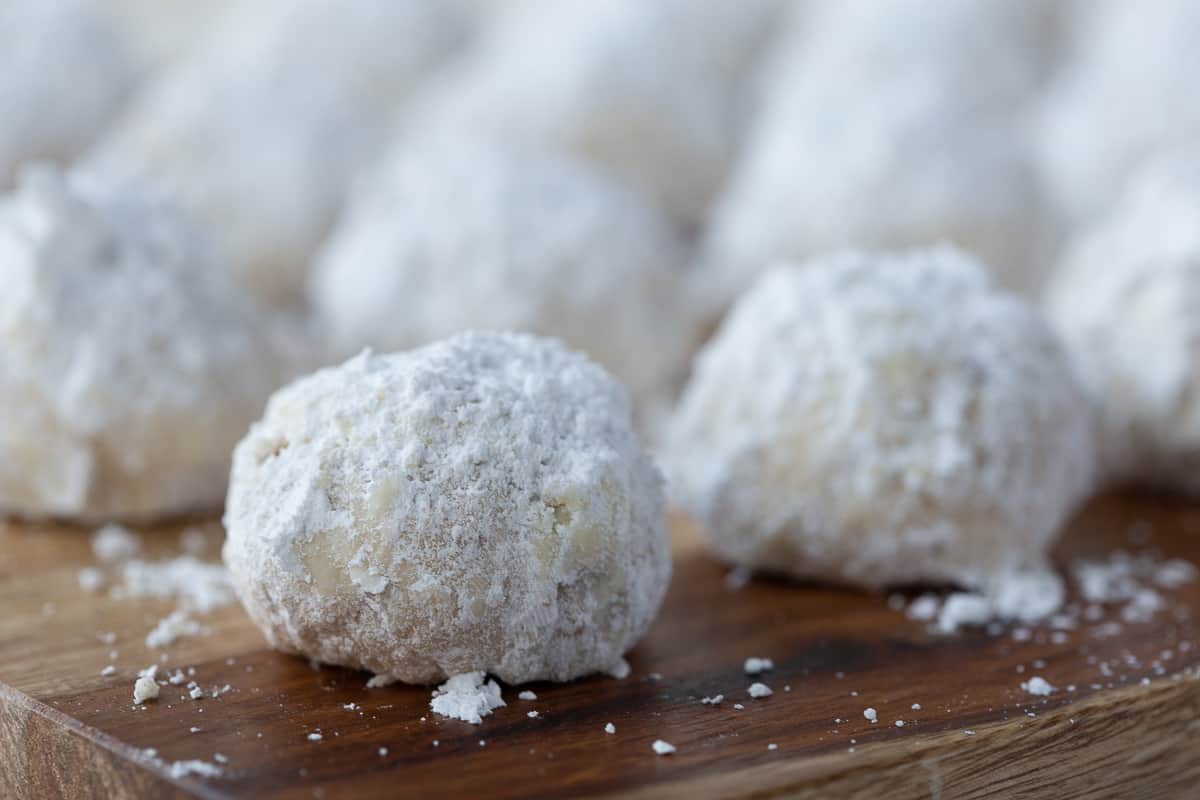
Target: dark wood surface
(67, 731)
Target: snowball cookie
(259, 131)
(882, 419)
(129, 364)
(648, 89)
(1128, 91)
(1124, 299)
(869, 138)
(458, 232)
(481, 503)
(63, 72)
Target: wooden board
(1126, 730)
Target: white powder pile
(882, 419)
(64, 71)
(1123, 292)
(871, 715)
(879, 127)
(963, 609)
(481, 503)
(260, 128)
(129, 364)
(758, 690)
(1132, 581)
(467, 697)
(662, 748)
(1140, 58)
(649, 90)
(609, 728)
(1037, 686)
(755, 665)
(715, 700)
(527, 695)
(459, 233)
(198, 586)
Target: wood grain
(66, 731)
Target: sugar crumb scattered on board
(144, 688)
(468, 697)
(1037, 686)
(663, 748)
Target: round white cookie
(64, 71)
(453, 233)
(651, 90)
(882, 419)
(259, 130)
(481, 503)
(887, 124)
(129, 363)
(1125, 299)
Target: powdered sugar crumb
(924, 608)
(199, 587)
(144, 688)
(115, 543)
(756, 666)
(182, 769)
(663, 748)
(1037, 686)
(177, 625)
(758, 690)
(467, 697)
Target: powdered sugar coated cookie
(129, 363)
(881, 419)
(479, 504)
